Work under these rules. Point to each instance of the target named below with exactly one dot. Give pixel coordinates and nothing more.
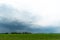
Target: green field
(29, 36)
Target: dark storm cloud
(13, 26)
(8, 22)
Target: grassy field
(29, 36)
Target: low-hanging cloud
(13, 20)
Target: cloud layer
(12, 19)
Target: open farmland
(29, 36)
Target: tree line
(17, 33)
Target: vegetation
(17, 33)
(30, 36)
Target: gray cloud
(13, 20)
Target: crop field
(29, 36)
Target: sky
(45, 13)
(46, 10)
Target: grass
(29, 36)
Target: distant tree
(13, 32)
(26, 33)
(17, 33)
(6, 33)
